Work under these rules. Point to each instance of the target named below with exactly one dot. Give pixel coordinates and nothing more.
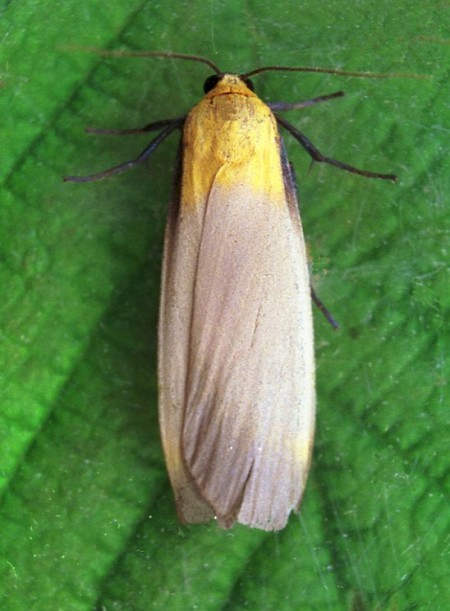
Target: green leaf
(87, 518)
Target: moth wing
(250, 401)
(175, 315)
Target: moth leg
(141, 158)
(316, 155)
(276, 106)
(151, 127)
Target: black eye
(211, 82)
(249, 84)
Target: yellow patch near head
(231, 140)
